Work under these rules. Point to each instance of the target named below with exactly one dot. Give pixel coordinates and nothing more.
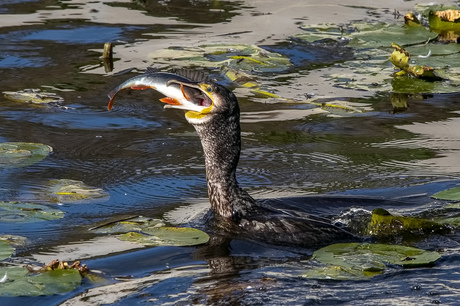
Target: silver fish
(177, 95)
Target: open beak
(195, 97)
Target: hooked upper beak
(195, 97)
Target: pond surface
(150, 161)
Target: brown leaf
(60, 265)
(449, 15)
(411, 20)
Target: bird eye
(209, 89)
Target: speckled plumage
(234, 209)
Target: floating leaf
(455, 205)
(5, 251)
(400, 58)
(27, 212)
(453, 221)
(240, 77)
(67, 191)
(33, 96)
(365, 35)
(171, 236)
(452, 194)
(21, 154)
(248, 58)
(128, 225)
(335, 273)
(444, 20)
(385, 224)
(411, 20)
(14, 240)
(60, 265)
(369, 70)
(363, 260)
(19, 282)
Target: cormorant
(214, 112)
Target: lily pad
(249, 58)
(19, 212)
(69, 191)
(21, 154)
(152, 232)
(20, 282)
(128, 225)
(385, 224)
(167, 236)
(14, 240)
(455, 205)
(365, 35)
(364, 260)
(446, 20)
(6, 250)
(452, 194)
(35, 96)
(400, 59)
(370, 69)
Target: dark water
(150, 161)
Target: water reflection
(191, 11)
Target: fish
(177, 95)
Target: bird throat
(220, 138)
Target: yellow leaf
(411, 20)
(400, 57)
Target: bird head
(204, 100)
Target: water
(150, 160)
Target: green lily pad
(364, 260)
(167, 236)
(19, 282)
(336, 273)
(365, 35)
(14, 240)
(35, 96)
(452, 194)
(453, 221)
(385, 224)
(21, 154)
(69, 191)
(27, 212)
(455, 205)
(6, 250)
(370, 69)
(248, 58)
(135, 224)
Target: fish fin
(193, 75)
(170, 100)
(151, 70)
(140, 87)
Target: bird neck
(221, 141)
